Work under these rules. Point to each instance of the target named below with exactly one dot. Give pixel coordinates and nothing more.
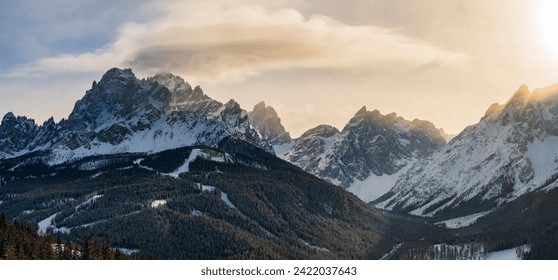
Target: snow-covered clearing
(185, 166)
(515, 253)
(96, 175)
(45, 224)
(48, 223)
(194, 154)
(317, 248)
(225, 198)
(393, 250)
(63, 230)
(196, 213)
(462, 221)
(157, 203)
(127, 251)
(88, 202)
(205, 188)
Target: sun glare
(548, 19)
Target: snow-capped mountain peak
(15, 134)
(368, 154)
(8, 117)
(511, 151)
(266, 121)
(172, 82)
(121, 113)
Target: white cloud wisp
(231, 44)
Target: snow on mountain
(45, 224)
(200, 153)
(157, 203)
(122, 113)
(282, 149)
(462, 221)
(226, 200)
(511, 151)
(15, 134)
(265, 120)
(368, 155)
(375, 186)
(515, 253)
(312, 148)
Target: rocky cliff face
(513, 150)
(16, 133)
(122, 113)
(368, 154)
(265, 120)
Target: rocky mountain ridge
(510, 152)
(265, 120)
(122, 113)
(368, 153)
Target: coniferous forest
(235, 202)
(21, 242)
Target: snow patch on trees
(157, 203)
(463, 221)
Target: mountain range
(122, 113)
(161, 170)
(158, 167)
(510, 152)
(504, 168)
(368, 155)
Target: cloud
(218, 42)
(30, 30)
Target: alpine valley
(157, 169)
(493, 185)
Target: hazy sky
(316, 62)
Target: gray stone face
(308, 149)
(16, 133)
(265, 120)
(121, 113)
(370, 143)
(510, 152)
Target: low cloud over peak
(229, 44)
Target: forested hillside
(21, 242)
(232, 202)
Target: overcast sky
(316, 62)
